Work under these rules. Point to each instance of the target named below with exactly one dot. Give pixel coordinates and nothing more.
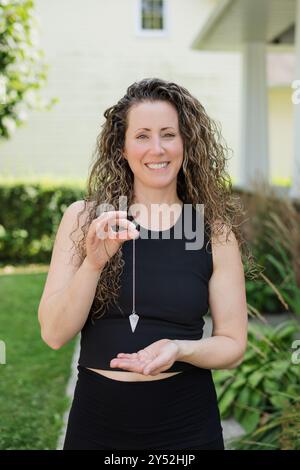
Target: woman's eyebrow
(146, 129)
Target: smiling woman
(150, 387)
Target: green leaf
(250, 420)
(238, 382)
(248, 368)
(279, 401)
(222, 375)
(286, 329)
(256, 397)
(270, 386)
(226, 402)
(279, 368)
(255, 378)
(277, 265)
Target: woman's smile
(157, 166)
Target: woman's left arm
(226, 347)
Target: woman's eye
(166, 135)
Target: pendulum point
(133, 318)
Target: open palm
(155, 358)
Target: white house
(96, 49)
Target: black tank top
(171, 294)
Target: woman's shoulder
(82, 207)
(221, 231)
(225, 247)
(79, 213)
(78, 206)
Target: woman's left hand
(155, 358)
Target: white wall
(95, 53)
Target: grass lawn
(33, 380)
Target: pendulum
(133, 318)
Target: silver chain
(133, 277)
(133, 317)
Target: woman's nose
(156, 145)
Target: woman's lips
(157, 169)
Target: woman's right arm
(63, 314)
(69, 291)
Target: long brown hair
(202, 178)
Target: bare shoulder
(70, 227)
(81, 207)
(225, 247)
(74, 217)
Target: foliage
(28, 228)
(267, 382)
(23, 70)
(273, 231)
(280, 430)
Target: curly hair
(202, 178)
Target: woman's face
(161, 142)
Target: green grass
(33, 380)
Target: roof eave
(216, 15)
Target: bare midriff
(132, 376)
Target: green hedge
(30, 215)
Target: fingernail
(135, 233)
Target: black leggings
(178, 412)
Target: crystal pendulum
(133, 318)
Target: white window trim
(139, 31)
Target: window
(152, 14)
(152, 17)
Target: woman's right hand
(102, 242)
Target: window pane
(152, 14)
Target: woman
(148, 385)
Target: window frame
(152, 32)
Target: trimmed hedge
(30, 215)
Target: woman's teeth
(155, 166)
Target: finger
(144, 354)
(151, 372)
(129, 360)
(129, 229)
(104, 228)
(129, 355)
(132, 366)
(109, 216)
(113, 216)
(125, 362)
(155, 364)
(126, 356)
(156, 371)
(117, 214)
